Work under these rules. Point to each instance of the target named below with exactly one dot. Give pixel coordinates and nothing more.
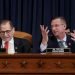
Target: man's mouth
(55, 31)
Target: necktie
(61, 44)
(6, 45)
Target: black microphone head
(2, 50)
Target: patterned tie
(6, 45)
(61, 44)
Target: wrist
(44, 42)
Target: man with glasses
(9, 43)
(59, 39)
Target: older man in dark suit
(59, 39)
(9, 42)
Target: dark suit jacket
(53, 43)
(20, 45)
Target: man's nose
(5, 34)
(53, 28)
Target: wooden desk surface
(39, 64)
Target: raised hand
(73, 35)
(44, 32)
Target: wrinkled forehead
(5, 26)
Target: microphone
(2, 49)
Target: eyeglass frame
(7, 31)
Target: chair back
(23, 35)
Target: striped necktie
(61, 44)
(6, 45)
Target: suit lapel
(68, 41)
(16, 45)
(0, 43)
(56, 44)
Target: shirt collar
(11, 41)
(64, 39)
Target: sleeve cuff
(43, 47)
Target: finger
(42, 27)
(73, 39)
(74, 31)
(73, 35)
(47, 31)
(46, 28)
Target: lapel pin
(69, 44)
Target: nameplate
(58, 50)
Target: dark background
(27, 15)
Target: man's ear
(13, 30)
(65, 26)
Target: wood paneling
(39, 64)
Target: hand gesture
(73, 35)
(44, 32)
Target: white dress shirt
(43, 47)
(11, 49)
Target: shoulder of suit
(52, 37)
(21, 39)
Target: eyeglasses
(7, 31)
